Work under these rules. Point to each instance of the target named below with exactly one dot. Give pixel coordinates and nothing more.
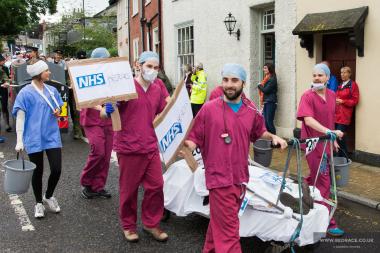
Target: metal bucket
(262, 152)
(18, 174)
(342, 169)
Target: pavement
(362, 187)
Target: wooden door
(337, 50)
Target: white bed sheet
(184, 192)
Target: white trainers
(52, 204)
(39, 210)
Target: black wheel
(165, 215)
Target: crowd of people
(223, 129)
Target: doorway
(337, 50)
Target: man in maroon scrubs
(223, 130)
(137, 152)
(317, 113)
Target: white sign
(173, 124)
(96, 81)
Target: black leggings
(4, 104)
(54, 156)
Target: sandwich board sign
(173, 124)
(99, 81)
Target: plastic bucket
(262, 152)
(341, 166)
(18, 174)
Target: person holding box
(137, 152)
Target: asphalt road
(93, 226)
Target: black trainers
(104, 194)
(8, 129)
(87, 193)
(292, 202)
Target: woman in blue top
(37, 107)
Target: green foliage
(113, 52)
(17, 14)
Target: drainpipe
(129, 31)
(142, 23)
(160, 33)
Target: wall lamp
(230, 23)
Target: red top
(226, 164)
(91, 117)
(350, 96)
(323, 111)
(137, 134)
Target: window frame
(184, 47)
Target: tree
(18, 14)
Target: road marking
(114, 158)
(20, 211)
(1, 155)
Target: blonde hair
(346, 68)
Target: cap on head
(100, 52)
(58, 51)
(234, 70)
(322, 68)
(81, 54)
(149, 56)
(30, 49)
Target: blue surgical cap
(148, 56)
(321, 67)
(235, 70)
(100, 52)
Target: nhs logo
(91, 80)
(170, 136)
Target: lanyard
(45, 98)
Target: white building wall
(122, 28)
(213, 46)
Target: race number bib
(311, 144)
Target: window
(268, 41)
(148, 42)
(135, 7)
(156, 40)
(268, 20)
(135, 49)
(185, 51)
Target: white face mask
(149, 75)
(317, 86)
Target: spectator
(347, 97)
(33, 53)
(198, 89)
(165, 79)
(269, 89)
(187, 77)
(4, 78)
(58, 58)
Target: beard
(232, 93)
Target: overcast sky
(67, 6)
